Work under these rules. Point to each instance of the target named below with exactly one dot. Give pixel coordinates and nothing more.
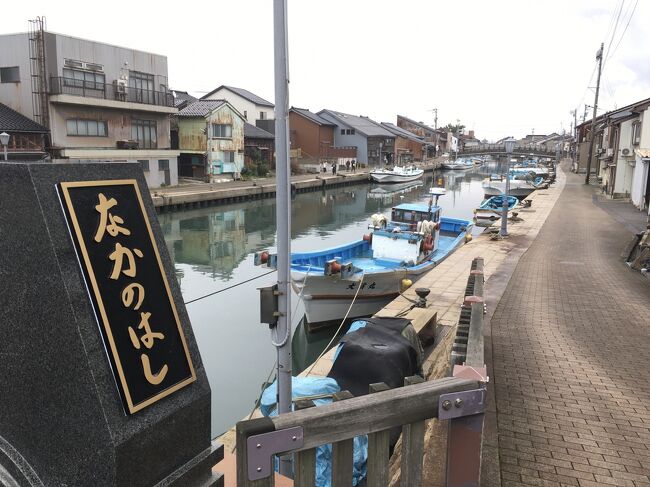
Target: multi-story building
(620, 158)
(211, 139)
(375, 145)
(313, 140)
(255, 109)
(100, 102)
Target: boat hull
(328, 298)
(389, 177)
(519, 189)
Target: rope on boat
(229, 287)
(363, 274)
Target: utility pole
(574, 134)
(435, 117)
(599, 57)
(283, 211)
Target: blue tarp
(312, 386)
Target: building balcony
(79, 92)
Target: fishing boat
(521, 186)
(359, 278)
(399, 174)
(458, 164)
(492, 208)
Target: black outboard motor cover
(379, 352)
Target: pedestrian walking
(354, 166)
(333, 169)
(347, 165)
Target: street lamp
(509, 146)
(4, 140)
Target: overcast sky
(500, 67)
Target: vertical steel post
(5, 151)
(283, 206)
(599, 56)
(504, 210)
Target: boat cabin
(407, 239)
(412, 213)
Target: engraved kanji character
(152, 378)
(149, 336)
(105, 216)
(128, 294)
(118, 256)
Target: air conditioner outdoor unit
(127, 144)
(625, 152)
(120, 85)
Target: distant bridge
(499, 149)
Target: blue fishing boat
(359, 278)
(492, 208)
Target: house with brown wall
(408, 146)
(312, 138)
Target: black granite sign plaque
(130, 294)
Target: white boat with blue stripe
(359, 278)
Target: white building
(100, 102)
(251, 106)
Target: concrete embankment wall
(196, 197)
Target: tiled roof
(643, 153)
(363, 125)
(200, 108)
(182, 97)
(419, 124)
(311, 116)
(12, 121)
(253, 132)
(252, 97)
(402, 132)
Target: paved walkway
(571, 355)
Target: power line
(229, 287)
(610, 55)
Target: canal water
(213, 249)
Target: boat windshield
(413, 216)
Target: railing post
(244, 430)
(304, 463)
(342, 454)
(378, 450)
(412, 446)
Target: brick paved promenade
(571, 355)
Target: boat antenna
(435, 193)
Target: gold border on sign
(133, 408)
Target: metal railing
(90, 89)
(498, 148)
(459, 399)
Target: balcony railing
(90, 89)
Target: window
(10, 75)
(348, 131)
(342, 131)
(222, 130)
(636, 133)
(246, 114)
(83, 79)
(163, 164)
(141, 87)
(144, 131)
(145, 164)
(229, 156)
(87, 128)
(262, 115)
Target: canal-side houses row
(65, 98)
(621, 153)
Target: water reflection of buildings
(215, 241)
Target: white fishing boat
(520, 186)
(399, 174)
(458, 164)
(361, 277)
